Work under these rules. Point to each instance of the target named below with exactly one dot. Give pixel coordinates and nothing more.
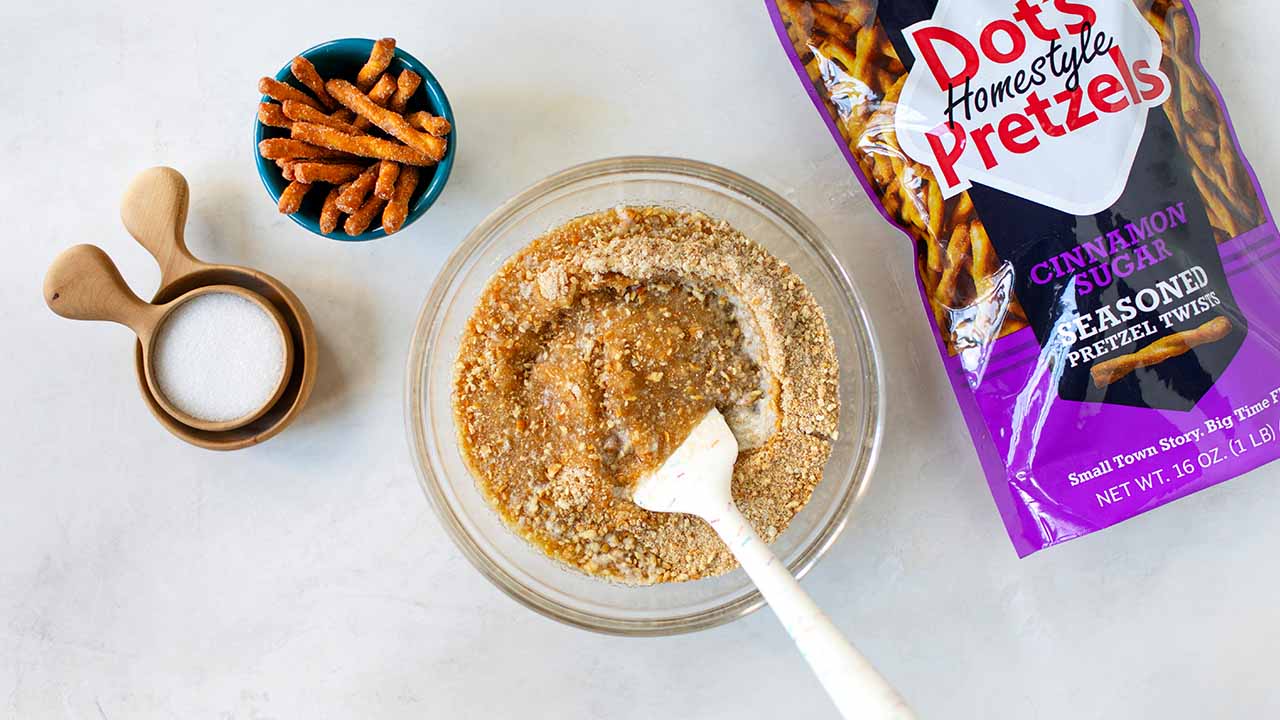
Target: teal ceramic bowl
(344, 58)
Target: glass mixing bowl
(518, 568)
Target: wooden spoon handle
(83, 284)
(154, 211)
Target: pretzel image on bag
(1101, 267)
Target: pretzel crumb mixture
(595, 350)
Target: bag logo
(1044, 99)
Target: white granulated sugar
(218, 357)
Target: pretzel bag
(1100, 265)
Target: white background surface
(307, 578)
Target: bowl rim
(425, 332)
(437, 99)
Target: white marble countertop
(308, 578)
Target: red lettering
(1155, 85)
(1015, 36)
(925, 39)
(1030, 14)
(1013, 129)
(1036, 107)
(1074, 100)
(1084, 12)
(947, 158)
(1103, 92)
(1122, 64)
(1005, 41)
(982, 138)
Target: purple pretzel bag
(1098, 258)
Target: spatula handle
(856, 688)
(83, 284)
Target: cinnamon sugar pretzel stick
(271, 114)
(353, 194)
(314, 172)
(392, 122)
(1111, 371)
(329, 212)
(277, 90)
(381, 94)
(406, 85)
(428, 123)
(294, 110)
(957, 262)
(306, 74)
(379, 60)
(1200, 125)
(291, 198)
(397, 209)
(385, 185)
(358, 221)
(290, 149)
(362, 145)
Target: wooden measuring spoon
(154, 211)
(83, 284)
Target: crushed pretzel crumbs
(595, 350)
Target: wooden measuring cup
(83, 284)
(154, 211)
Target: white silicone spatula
(696, 479)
